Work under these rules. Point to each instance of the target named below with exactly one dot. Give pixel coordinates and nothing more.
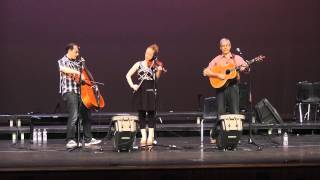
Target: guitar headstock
(259, 58)
(256, 59)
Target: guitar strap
(233, 57)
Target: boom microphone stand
(78, 126)
(250, 139)
(155, 96)
(155, 91)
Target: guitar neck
(249, 62)
(259, 58)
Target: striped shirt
(67, 84)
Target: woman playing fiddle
(148, 71)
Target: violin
(155, 64)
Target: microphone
(239, 51)
(82, 59)
(155, 58)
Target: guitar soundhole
(228, 71)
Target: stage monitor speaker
(266, 113)
(210, 108)
(244, 95)
(123, 141)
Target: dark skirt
(144, 99)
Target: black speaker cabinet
(266, 113)
(210, 108)
(123, 141)
(244, 95)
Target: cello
(90, 94)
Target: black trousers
(147, 115)
(227, 102)
(72, 101)
(228, 99)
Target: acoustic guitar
(230, 71)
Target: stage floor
(302, 151)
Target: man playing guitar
(228, 94)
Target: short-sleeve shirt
(68, 84)
(223, 60)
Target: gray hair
(225, 40)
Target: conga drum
(230, 131)
(125, 132)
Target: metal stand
(155, 91)
(78, 126)
(250, 138)
(306, 116)
(202, 133)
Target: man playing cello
(69, 67)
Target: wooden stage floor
(303, 152)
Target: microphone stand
(155, 98)
(250, 138)
(155, 91)
(78, 126)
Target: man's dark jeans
(72, 101)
